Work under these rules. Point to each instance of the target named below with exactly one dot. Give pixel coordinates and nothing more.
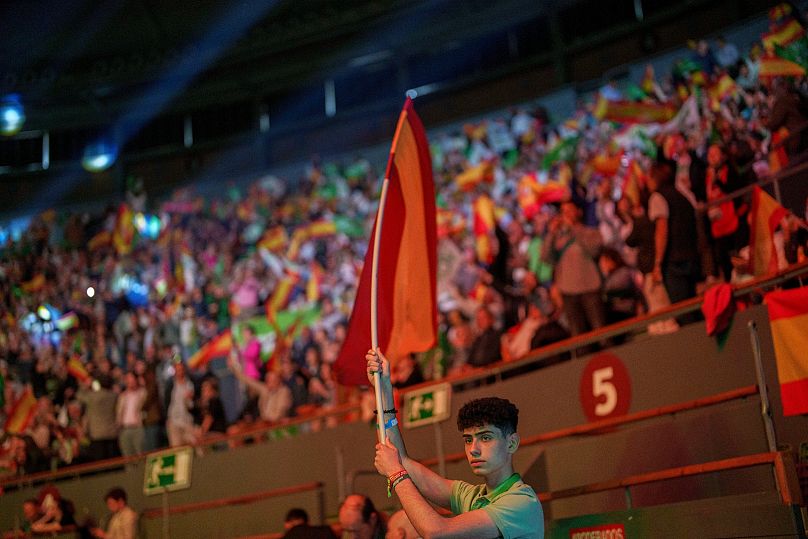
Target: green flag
(563, 150)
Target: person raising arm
(503, 506)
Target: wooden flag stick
(374, 286)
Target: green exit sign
(167, 471)
(427, 405)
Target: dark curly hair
(489, 410)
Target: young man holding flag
(503, 506)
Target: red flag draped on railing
(788, 313)
(407, 261)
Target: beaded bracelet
(390, 411)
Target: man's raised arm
(432, 486)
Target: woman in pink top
(250, 353)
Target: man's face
(715, 156)
(488, 449)
(114, 505)
(30, 511)
(484, 320)
(350, 518)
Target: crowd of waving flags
(407, 258)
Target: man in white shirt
(122, 523)
(180, 422)
(129, 416)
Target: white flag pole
(374, 286)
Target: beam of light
(296, 108)
(228, 26)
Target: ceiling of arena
(74, 57)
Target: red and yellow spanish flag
(102, 239)
(631, 112)
(788, 32)
(314, 283)
(77, 370)
(484, 224)
(321, 229)
(281, 295)
(788, 314)
(21, 412)
(474, 176)
(299, 237)
(532, 195)
(527, 194)
(766, 216)
(219, 346)
(273, 239)
(775, 66)
(407, 272)
(724, 87)
(124, 234)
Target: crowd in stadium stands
(174, 323)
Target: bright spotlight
(99, 156)
(12, 115)
(90, 291)
(43, 312)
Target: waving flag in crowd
(219, 346)
(474, 176)
(22, 412)
(766, 217)
(484, 223)
(124, 234)
(77, 370)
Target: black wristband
(391, 411)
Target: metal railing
(784, 473)
(612, 422)
(317, 486)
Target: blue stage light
(99, 156)
(12, 115)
